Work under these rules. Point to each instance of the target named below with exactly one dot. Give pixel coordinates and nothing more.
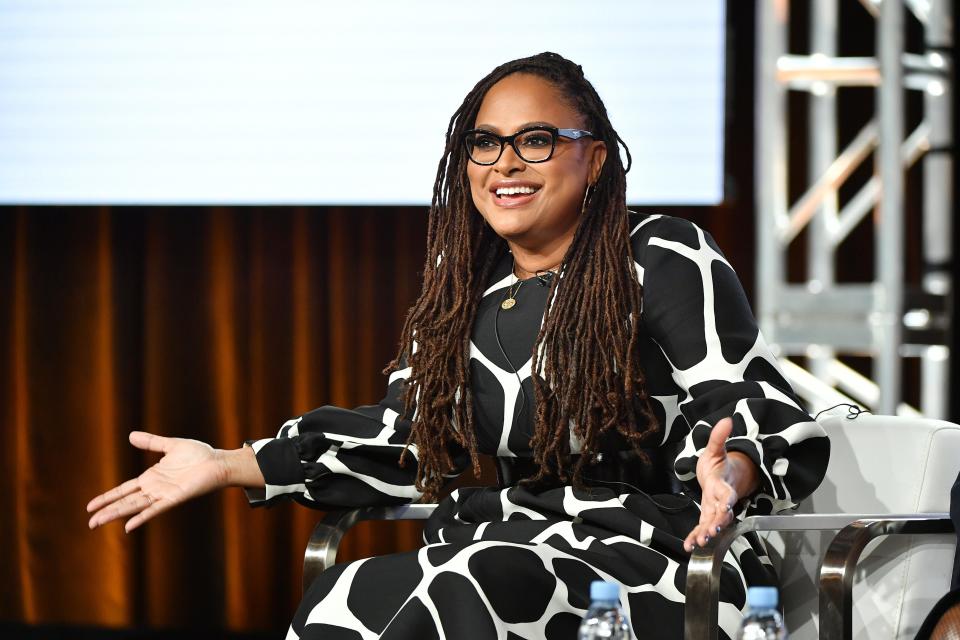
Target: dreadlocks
(586, 366)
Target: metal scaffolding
(821, 318)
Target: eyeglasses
(533, 144)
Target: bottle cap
(762, 597)
(600, 590)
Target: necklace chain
(511, 300)
(533, 274)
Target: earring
(586, 199)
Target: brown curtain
(215, 324)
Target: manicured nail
(718, 528)
(706, 539)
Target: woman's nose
(509, 161)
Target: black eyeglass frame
(572, 134)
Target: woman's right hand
(188, 468)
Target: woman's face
(553, 210)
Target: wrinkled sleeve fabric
(696, 311)
(332, 457)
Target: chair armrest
(703, 571)
(321, 551)
(843, 553)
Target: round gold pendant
(508, 304)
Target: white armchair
(879, 465)
(887, 475)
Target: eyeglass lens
(534, 145)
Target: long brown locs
(589, 372)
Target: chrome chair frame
(840, 560)
(324, 542)
(703, 570)
(836, 571)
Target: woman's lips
(509, 202)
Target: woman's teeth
(512, 191)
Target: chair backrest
(878, 464)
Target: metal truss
(821, 318)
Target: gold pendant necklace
(511, 300)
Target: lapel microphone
(544, 278)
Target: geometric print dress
(516, 562)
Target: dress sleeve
(332, 457)
(695, 309)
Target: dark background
(219, 323)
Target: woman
(578, 343)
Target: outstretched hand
(724, 478)
(188, 468)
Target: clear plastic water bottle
(604, 618)
(763, 621)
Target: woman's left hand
(724, 478)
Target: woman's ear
(598, 155)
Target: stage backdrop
(208, 324)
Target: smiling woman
(630, 400)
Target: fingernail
(718, 528)
(706, 539)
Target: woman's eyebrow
(526, 125)
(538, 123)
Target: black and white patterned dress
(517, 563)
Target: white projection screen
(323, 103)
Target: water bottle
(763, 621)
(604, 618)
